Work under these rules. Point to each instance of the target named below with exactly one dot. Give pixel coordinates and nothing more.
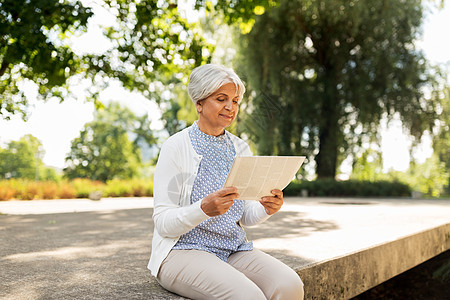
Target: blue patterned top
(220, 235)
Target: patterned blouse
(220, 235)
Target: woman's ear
(199, 106)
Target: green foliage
(239, 12)
(179, 111)
(368, 166)
(349, 188)
(23, 189)
(151, 44)
(324, 73)
(83, 187)
(49, 174)
(441, 141)
(104, 151)
(22, 159)
(153, 40)
(430, 178)
(129, 188)
(34, 46)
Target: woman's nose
(229, 105)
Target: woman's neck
(209, 130)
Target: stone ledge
(348, 276)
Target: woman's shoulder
(177, 138)
(176, 141)
(242, 148)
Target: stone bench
(343, 247)
(72, 249)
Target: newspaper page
(256, 176)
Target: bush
(83, 187)
(129, 188)
(118, 188)
(349, 188)
(23, 189)
(29, 190)
(7, 192)
(66, 191)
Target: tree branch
(3, 68)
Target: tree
(22, 159)
(105, 149)
(441, 141)
(34, 46)
(325, 72)
(430, 177)
(151, 44)
(368, 166)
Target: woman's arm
(254, 213)
(170, 218)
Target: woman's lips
(226, 117)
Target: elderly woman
(199, 247)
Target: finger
(270, 204)
(227, 190)
(277, 192)
(230, 197)
(271, 208)
(271, 199)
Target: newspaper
(256, 176)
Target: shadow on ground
(288, 224)
(98, 255)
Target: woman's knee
(291, 287)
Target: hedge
(349, 188)
(78, 188)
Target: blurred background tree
(23, 159)
(110, 146)
(151, 44)
(34, 46)
(320, 74)
(325, 73)
(441, 141)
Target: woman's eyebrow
(219, 94)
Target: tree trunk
(3, 67)
(328, 132)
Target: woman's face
(219, 110)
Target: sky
(57, 124)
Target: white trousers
(247, 275)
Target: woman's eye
(221, 99)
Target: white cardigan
(173, 214)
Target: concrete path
(82, 249)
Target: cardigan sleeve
(254, 213)
(170, 218)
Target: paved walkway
(82, 249)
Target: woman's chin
(226, 123)
(226, 120)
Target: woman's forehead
(228, 89)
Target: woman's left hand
(272, 204)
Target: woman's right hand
(219, 202)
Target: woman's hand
(219, 202)
(272, 204)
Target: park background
(91, 89)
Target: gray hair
(207, 79)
